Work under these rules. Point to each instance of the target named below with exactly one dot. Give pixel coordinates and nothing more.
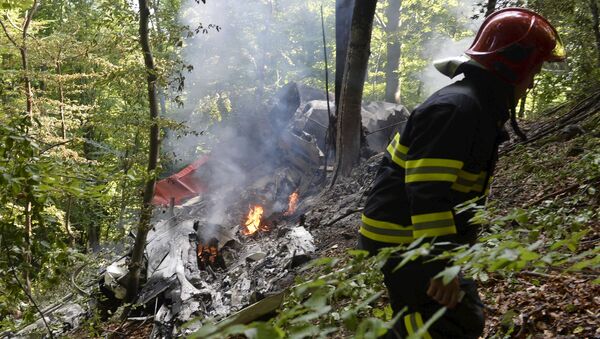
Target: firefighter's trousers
(407, 288)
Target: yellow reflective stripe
(419, 321)
(413, 322)
(428, 217)
(430, 177)
(385, 238)
(433, 162)
(433, 224)
(397, 151)
(478, 185)
(408, 323)
(468, 175)
(467, 182)
(461, 188)
(401, 148)
(386, 231)
(430, 169)
(434, 232)
(383, 224)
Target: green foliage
(342, 297)
(79, 160)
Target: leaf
(448, 274)
(507, 320)
(306, 330)
(578, 330)
(261, 330)
(312, 315)
(370, 328)
(423, 330)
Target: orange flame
(252, 223)
(292, 204)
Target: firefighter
(445, 156)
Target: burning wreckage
(229, 233)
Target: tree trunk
(490, 7)
(137, 255)
(596, 23)
(349, 111)
(68, 220)
(25, 59)
(343, 20)
(61, 92)
(392, 78)
(28, 235)
(93, 237)
(24, 55)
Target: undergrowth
(555, 228)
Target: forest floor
(552, 180)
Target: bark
(392, 78)
(61, 92)
(596, 28)
(349, 110)
(343, 20)
(68, 220)
(28, 235)
(137, 255)
(490, 7)
(93, 237)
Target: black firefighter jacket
(444, 156)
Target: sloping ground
(547, 187)
(555, 179)
(545, 193)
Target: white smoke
(259, 47)
(443, 46)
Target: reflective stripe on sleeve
(397, 151)
(431, 169)
(467, 181)
(386, 231)
(478, 185)
(433, 224)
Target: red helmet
(513, 42)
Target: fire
(292, 204)
(253, 220)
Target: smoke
(443, 46)
(259, 46)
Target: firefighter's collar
(450, 67)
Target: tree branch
(30, 14)
(8, 35)
(12, 270)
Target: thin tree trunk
(137, 255)
(521, 113)
(25, 59)
(61, 92)
(490, 8)
(596, 28)
(68, 220)
(349, 112)
(127, 163)
(392, 78)
(343, 21)
(28, 235)
(24, 55)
